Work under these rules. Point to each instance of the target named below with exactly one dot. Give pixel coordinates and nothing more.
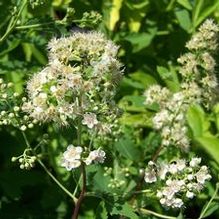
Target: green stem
(32, 26)
(210, 201)
(146, 211)
(48, 172)
(13, 22)
(57, 182)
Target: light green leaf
(210, 145)
(184, 20)
(197, 121)
(206, 12)
(196, 11)
(185, 3)
(169, 77)
(136, 120)
(144, 78)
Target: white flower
(163, 171)
(195, 162)
(190, 194)
(72, 157)
(177, 203)
(98, 156)
(202, 175)
(90, 119)
(150, 176)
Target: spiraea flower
(96, 156)
(156, 94)
(197, 87)
(81, 76)
(178, 180)
(72, 157)
(90, 119)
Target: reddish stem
(81, 197)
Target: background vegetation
(151, 35)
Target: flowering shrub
(96, 131)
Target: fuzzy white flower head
(79, 66)
(90, 120)
(156, 94)
(72, 157)
(97, 156)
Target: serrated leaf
(101, 182)
(126, 147)
(101, 212)
(125, 210)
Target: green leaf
(196, 11)
(11, 46)
(144, 78)
(126, 147)
(101, 212)
(136, 120)
(100, 181)
(132, 103)
(211, 209)
(197, 121)
(210, 145)
(135, 84)
(185, 3)
(125, 210)
(169, 77)
(140, 41)
(207, 11)
(184, 20)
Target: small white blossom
(90, 119)
(195, 162)
(97, 156)
(72, 157)
(189, 194)
(150, 176)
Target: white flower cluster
(156, 94)
(79, 81)
(10, 110)
(197, 87)
(74, 156)
(198, 65)
(171, 122)
(180, 180)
